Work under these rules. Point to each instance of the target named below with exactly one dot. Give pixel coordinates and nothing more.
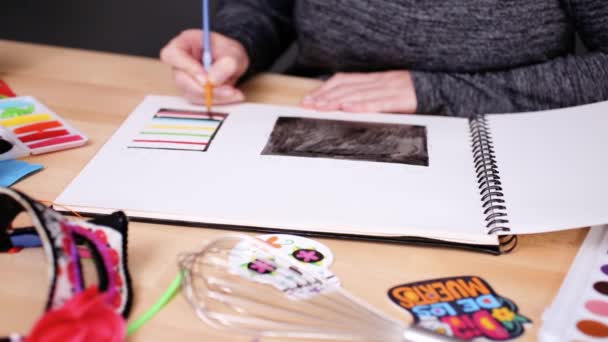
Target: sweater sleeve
(265, 28)
(566, 81)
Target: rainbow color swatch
(35, 129)
(182, 130)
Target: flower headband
(106, 240)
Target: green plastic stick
(154, 309)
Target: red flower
(86, 317)
(101, 235)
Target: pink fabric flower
(86, 317)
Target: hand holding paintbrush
(227, 62)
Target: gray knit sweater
(466, 56)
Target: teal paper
(11, 171)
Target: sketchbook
(457, 182)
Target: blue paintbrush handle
(206, 42)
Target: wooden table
(96, 91)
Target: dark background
(134, 27)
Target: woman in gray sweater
(448, 57)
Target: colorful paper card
(32, 128)
(184, 130)
(12, 171)
(463, 307)
(308, 254)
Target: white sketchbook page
(554, 167)
(232, 183)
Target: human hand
(183, 53)
(388, 91)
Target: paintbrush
(207, 55)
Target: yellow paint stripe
(25, 119)
(194, 128)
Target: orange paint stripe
(38, 127)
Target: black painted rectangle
(352, 140)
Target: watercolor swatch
(580, 310)
(34, 129)
(182, 130)
(352, 140)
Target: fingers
(390, 104)
(341, 79)
(390, 91)
(224, 69)
(332, 99)
(183, 52)
(227, 94)
(194, 92)
(230, 61)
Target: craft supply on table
(157, 306)
(307, 253)
(11, 171)
(267, 294)
(5, 145)
(465, 307)
(34, 129)
(75, 308)
(579, 312)
(5, 90)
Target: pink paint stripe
(169, 142)
(56, 141)
(598, 307)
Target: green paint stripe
(180, 134)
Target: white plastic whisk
(242, 284)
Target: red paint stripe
(43, 135)
(5, 90)
(56, 141)
(169, 142)
(41, 126)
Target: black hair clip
(5, 145)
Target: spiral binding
(488, 178)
